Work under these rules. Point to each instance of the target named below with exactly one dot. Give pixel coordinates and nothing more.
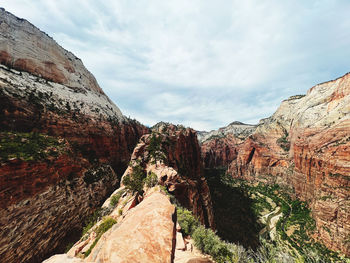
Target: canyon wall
(219, 147)
(165, 166)
(48, 189)
(305, 145)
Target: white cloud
(200, 63)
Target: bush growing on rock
(135, 181)
(208, 242)
(155, 148)
(187, 221)
(106, 224)
(115, 198)
(151, 180)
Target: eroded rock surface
(25, 48)
(181, 171)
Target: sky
(200, 63)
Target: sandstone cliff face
(219, 147)
(46, 90)
(236, 128)
(306, 144)
(25, 48)
(220, 152)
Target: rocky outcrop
(305, 144)
(180, 169)
(146, 234)
(219, 147)
(40, 224)
(236, 128)
(46, 90)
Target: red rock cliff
(306, 144)
(46, 90)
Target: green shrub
(107, 223)
(208, 242)
(29, 146)
(155, 148)
(115, 198)
(151, 180)
(91, 221)
(135, 181)
(187, 221)
(283, 142)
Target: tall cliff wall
(305, 144)
(48, 189)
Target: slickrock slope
(47, 190)
(146, 234)
(25, 48)
(305, 144)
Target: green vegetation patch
(296, 246)
(151, 180)
(115, 198)
(29, 146)
(106, 224)
(155, 148)
(135, 181)
(283, 142)
(187, 221)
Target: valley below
(266, 220)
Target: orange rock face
(146, 234)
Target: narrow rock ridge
(144, 232)
(182, 170)
(146, 228)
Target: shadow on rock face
(233, 213)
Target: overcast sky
(200, 63)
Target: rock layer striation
(305, 145)
(46, 90)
